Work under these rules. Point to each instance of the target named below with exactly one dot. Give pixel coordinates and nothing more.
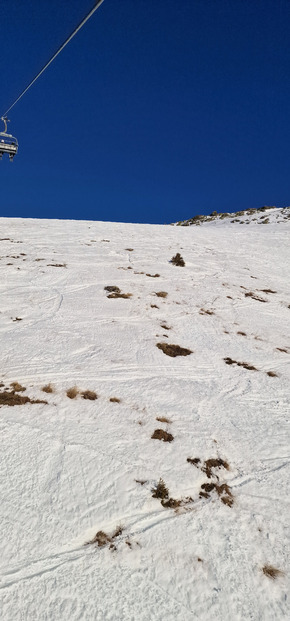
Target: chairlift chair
(8, 144)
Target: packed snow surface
(83, 535)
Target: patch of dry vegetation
(161, 294)
(272, 572)
(125, 296)
(153, 275)
(12, 398)
(163, 419)
(160, 434)
(47, 388)
(245, 365)
(89, 394)
(72, 392)
(173, 350)
(115, 400)
(17, 387)
(102, 539)
(178, 260)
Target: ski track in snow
(69, 468)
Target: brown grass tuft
(89, 394)
(141, 482)
(272, 374)
(153, 275)
(272, 572)
(211, 464)
(115, 400)
(11, 399)
(154, 306)
(164, 326)
(163, 419)
(125, 296)
(112, 289)
(56, 265)
(48, 388)
(161, 294)
(160, 434)
(204, 311)
(72, 392)
(178, 260)
(17, 387)
(173, 350)
(195, 461)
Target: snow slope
(73, 467)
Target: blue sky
(156, 111)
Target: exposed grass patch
(72, 392)
(245, 365)
(194, 461)
(223, 492)
(140, 481)
(160, 490)
(272, 572)
(56, 265)
(129, 249)
(163, 419)
(272, 374)
(204, 311)
(178, 260)
(211, 464)
(47, 388)
(285, 351)
(12, 398)
(164, 326)
(115, 400)
(161, 294)
(112, 289)
(154, 306)
(102, 539)
(17, 319)
(268, 291)
(160, 434)
(241, 333)
(153, 275)
(173, 350)
(125, 296)
(250, 294)
(89, 394)
(17, 387)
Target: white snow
(69, 467)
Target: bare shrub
(47, 388)
(89, 394)
(178, 260)
(72, 392)
(160, 490)
(272, 572)
(160, 434)
(173, 350)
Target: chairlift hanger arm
(69, 38)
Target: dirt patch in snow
(160, 434)
(173, 350)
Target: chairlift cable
(69, 38)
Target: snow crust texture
(146, 475)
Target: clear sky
(156, 111)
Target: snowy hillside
(138, 483)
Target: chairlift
(8, 144)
